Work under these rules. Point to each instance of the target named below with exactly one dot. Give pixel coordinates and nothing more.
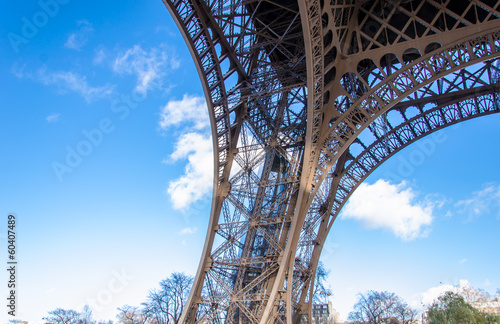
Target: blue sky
(104, 173)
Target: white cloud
(189, 109)
(463, 288)
(188, 230)
(482, 202)
(148, 66)
(20, 72)
(175, 63)
(392, 207)
(433, 293)
(190, 113)
(53, 118)
(99, 56)
(79, 38)
(198, 176)
(68, 80)
(464, 260)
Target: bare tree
(404, 313)
(471, 294)
(132, 315)
(376, 307)
(63, 316)
(321, 291)
(165, 305)
(86, 315)
(158, 306)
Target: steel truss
(306, 98)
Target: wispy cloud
(198, 174)
(78, 39)
(175, 63)
(72, 81)
(188, 230)
(99, 56)
(149, 66)
(388, 206)
(20, 72)
(464, 260)
(482, 202)
(191, 109)
(66, 81)
(52, 118)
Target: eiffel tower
(306, 98)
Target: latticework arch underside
(306, 98)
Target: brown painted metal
(292, 87)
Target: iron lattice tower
(306, 98)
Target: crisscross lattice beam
(293, 87)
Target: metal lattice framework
(306, 98)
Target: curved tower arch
(477, 102)
(452, 105)
(291, 88)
